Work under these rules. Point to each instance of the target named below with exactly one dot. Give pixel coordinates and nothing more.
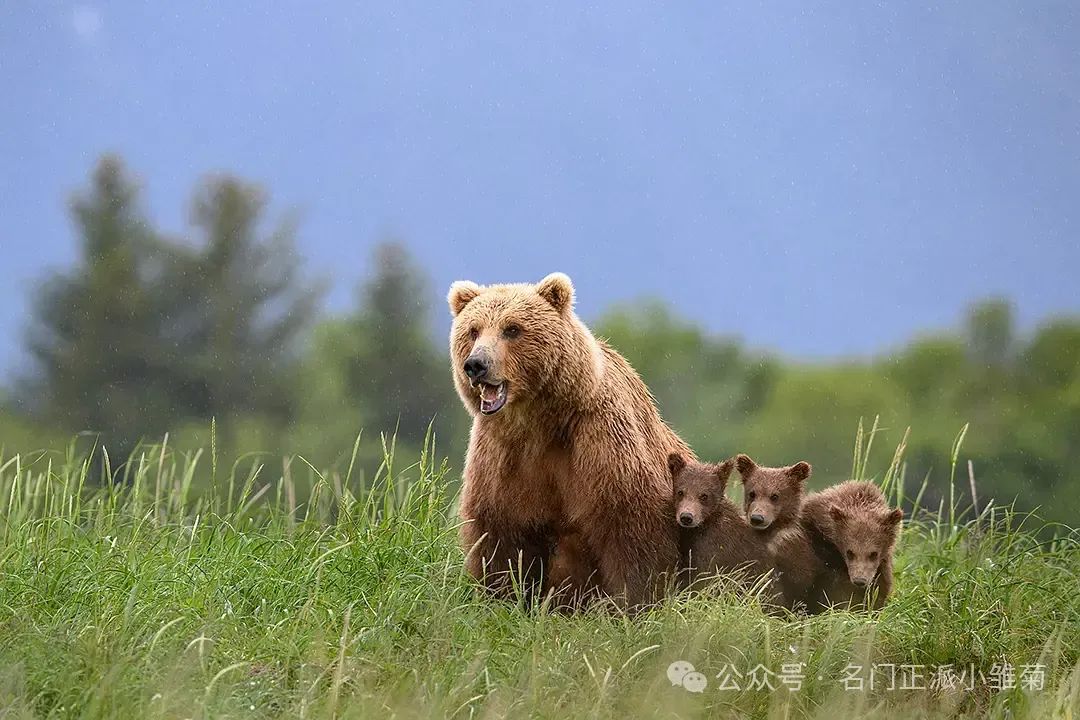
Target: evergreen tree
(242, 307)
(397, 375)
(990, 333)
(100, 365)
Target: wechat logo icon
(683, 674)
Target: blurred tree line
(150, 334)
(1021, 397)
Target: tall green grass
(283, 591)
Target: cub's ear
(557, 289)
(893, 517)
(675, 463)
(461, 292)
(723, 472)
(745, 464)
(837, 514)
(800, 471)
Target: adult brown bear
(566, 441)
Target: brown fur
(571, 579)
(714, 536)
(810, 554)
(799, 567)
(578, 448)
(860, 531)
(773, 496)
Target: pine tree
(243, 307)
(100, 365)
(397, 375)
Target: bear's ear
(892, 517)
(675, 463)
(745, 464)
(800, 471)
(723, 472)
(837, 514)
(557, 289)
(461, 292)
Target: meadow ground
(332, 596)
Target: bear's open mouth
(492, 397)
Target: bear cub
(854, 531)
(714, 538)
(772, 496)
(772, 499)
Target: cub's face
(864, 538)
(698, 488)
(771, 495)
(507, 340)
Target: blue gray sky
(822, 181)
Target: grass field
(288, 594)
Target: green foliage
(17, 433)
(145, 599)
(928, 367)
(1020, 396)
(145, 333)
(991, 334)
(329, 415)
(375, 368)
(706, 387)
(149, 334)
(245, 306)
(102, 365)
(806, 412)
(394, 370)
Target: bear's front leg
(637, 556)
(508, 561)
(572, 580)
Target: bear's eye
(511, 331)
(872, 556)
(703, 497)
(774, 497)
(679, 493)
(850, 555)
(752, 495)
(473, 334)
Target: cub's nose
(476, 367)
(861, 581)
(686, 519)
(757, 520)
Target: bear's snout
(686, 519)
(758, 520)
(477, 366)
